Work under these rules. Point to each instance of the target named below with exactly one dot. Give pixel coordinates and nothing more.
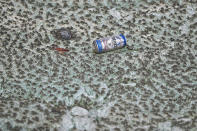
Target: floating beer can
(109, 43)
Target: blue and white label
(111, 43)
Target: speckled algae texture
(151, 87)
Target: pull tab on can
(109, 43)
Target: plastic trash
(109, 43)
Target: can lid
(123, 37)
(98, 42)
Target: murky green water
(151, 87)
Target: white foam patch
(77, 118)
(66, 123)
(165, 125)
(184, 29)
(190, 10)
(115, 13)
(78, 111)
(84, 123)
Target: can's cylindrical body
(109, 43)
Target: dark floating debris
(130, 47)
(63, 33)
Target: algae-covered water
(150, 86)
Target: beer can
(109, 43)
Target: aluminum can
(109, 43)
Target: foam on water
(152, 87)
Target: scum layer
(152, 87)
